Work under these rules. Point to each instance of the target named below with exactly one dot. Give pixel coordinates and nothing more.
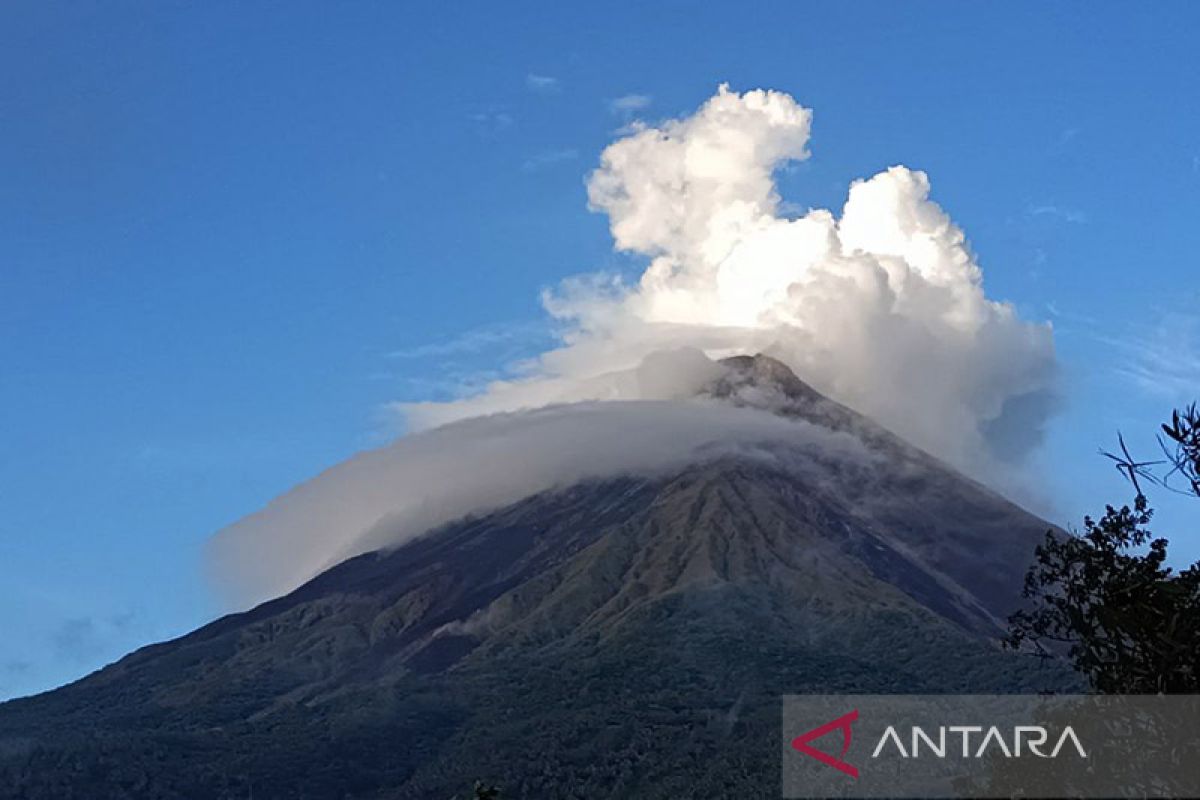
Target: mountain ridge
(687, 601)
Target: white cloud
(549, 158)
(476, 340)
(385, 497)
(629, 104)
(490, 123)
(542, 84)
(1157, 351)
(1162, 360)
(882, 306)
(1071, 215)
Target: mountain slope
(617, 638)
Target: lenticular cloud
(882, 307)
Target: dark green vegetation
(1130, 623)
(617, 639)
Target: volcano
(625, 636)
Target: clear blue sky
(217, 220)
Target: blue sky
(230, 234)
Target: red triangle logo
(843, 722)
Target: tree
(1183, 450)
(1127, 621)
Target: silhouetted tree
(1183, 450)
(1128, 622)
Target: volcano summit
(626, 632)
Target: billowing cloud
(881, 306)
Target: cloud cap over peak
(383, 498)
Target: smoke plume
(882, 307)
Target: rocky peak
(763, 382)
(765, 375)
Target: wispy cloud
(492, 122)
(477, 340)
(1160, 358)
(458, 367)
(629, 104)
(1065, 142)
(549, 158)
(1072, 215)
(542, 84)
(1163, 360)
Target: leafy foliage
(1180, 444)
(1184, 452)
(1127, 620)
